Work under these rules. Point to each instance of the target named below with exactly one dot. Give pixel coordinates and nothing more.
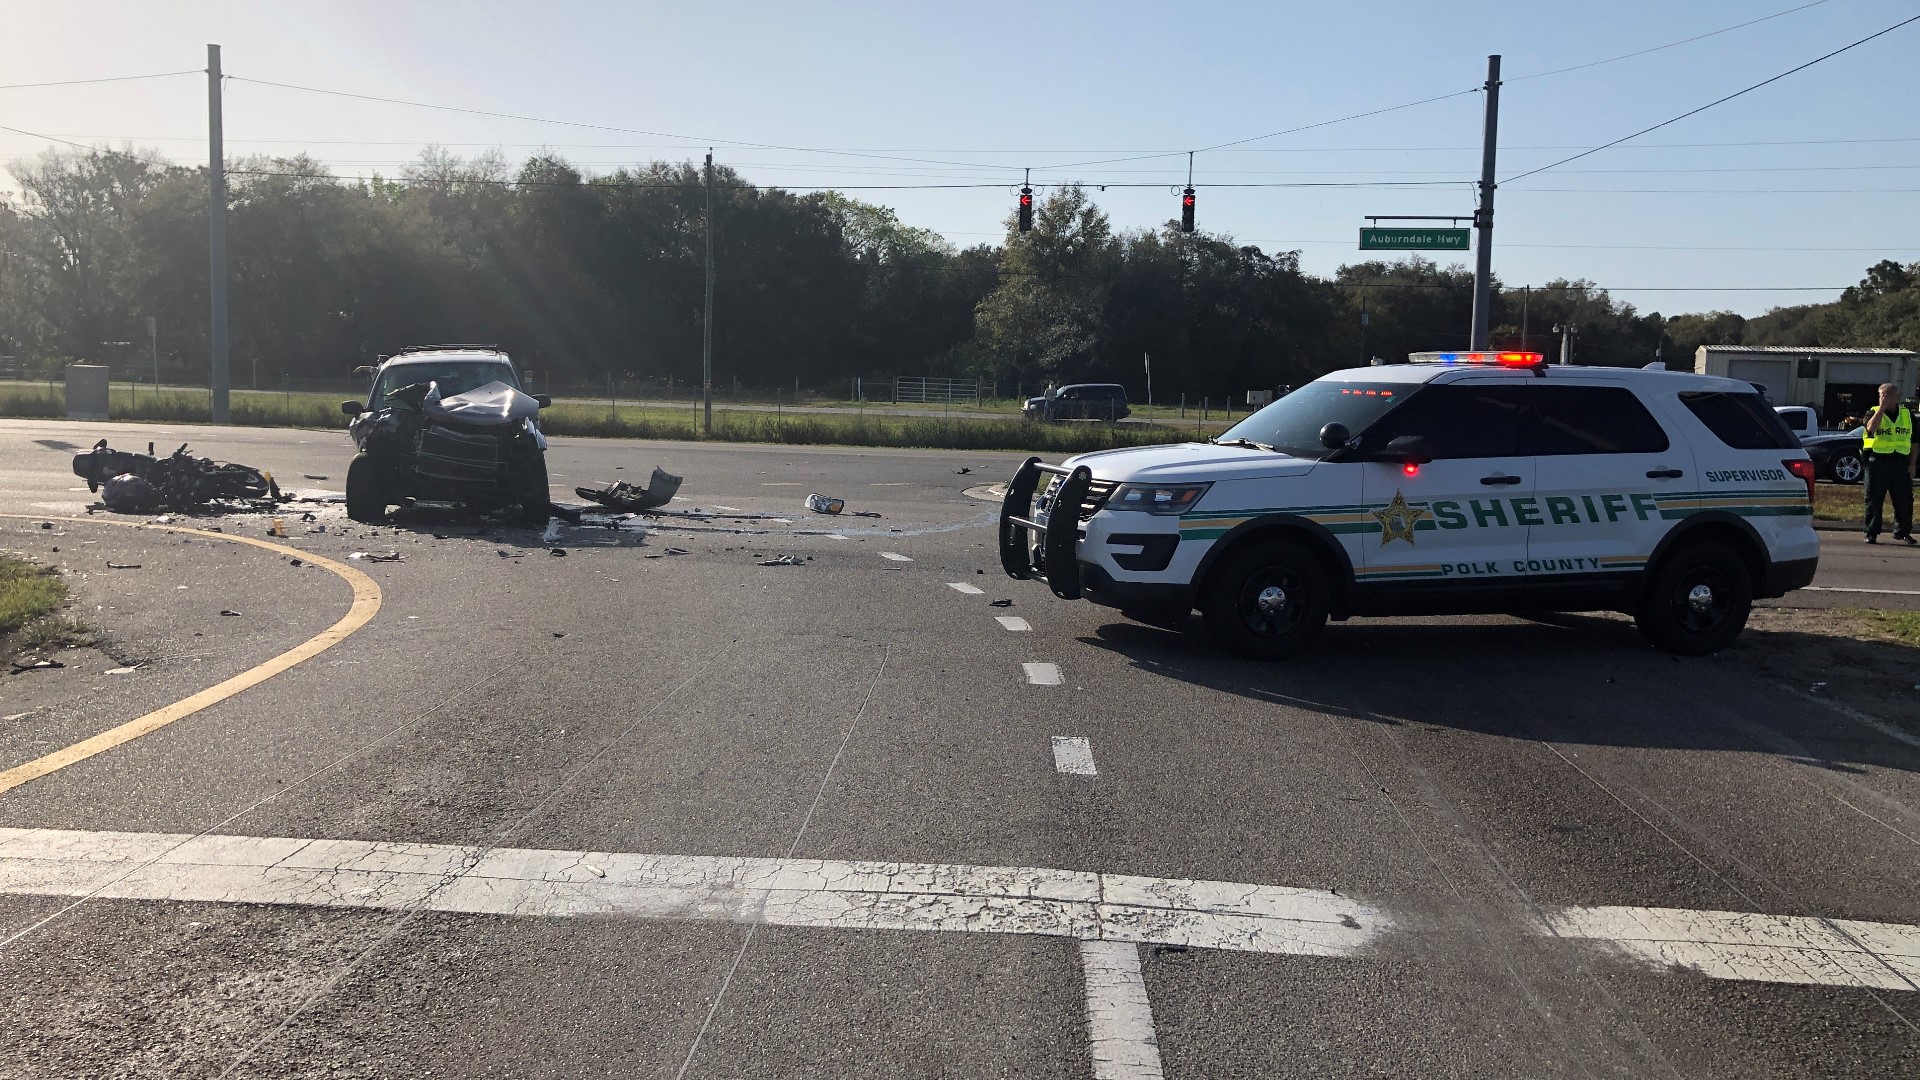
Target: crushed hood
(491, 405)
(1189, 462)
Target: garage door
(1775, 375)
(1860, 371)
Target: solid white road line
(1012, 622)
(895, 556)
(1755, 948)
(1875, 592)
(1119, 1016)
(782, 892)
(961, 586)
(1042, 674)
(1073, 755)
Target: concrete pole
(706, 323)
(1483, 217)
(217, 236)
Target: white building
(1836, 383)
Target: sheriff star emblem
(1397, 519)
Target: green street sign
(1414, 239)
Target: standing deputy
(1888, 442)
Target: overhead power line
(1668, 45)
(108, 79)
(1721, 101)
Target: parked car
(448, 424)
(1837, 455)
(1080, 401)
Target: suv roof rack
(441, 348)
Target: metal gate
(940, 391)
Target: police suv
(1456, 483)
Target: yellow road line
(366, 602)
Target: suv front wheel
(366, 489)
(1267, 601)
(1697, 600)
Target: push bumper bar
(1049, 551)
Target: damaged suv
(448, 423)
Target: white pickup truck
(1800, 419)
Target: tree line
(580, 277)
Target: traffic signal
(1186, 210)
(1026, 209)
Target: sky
(1781, 196)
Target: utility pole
(217, 235)
(706, 324)
(153, 345)
(1483, 216)
(1565, 330)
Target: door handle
(1496, 480)
(1664, 474)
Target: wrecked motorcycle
(141, 483)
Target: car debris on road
(377, 556)
(661, 487)
(822, 504)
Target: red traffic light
(1026, 209)
(1186, 210)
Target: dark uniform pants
(1887, 475)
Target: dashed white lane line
(782, 892)
(1042, 674)
(963, 587)
(1754, 948)
(895, 556)
(1012, 622)
(1073, 755)
(1119, 1016)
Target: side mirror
(544, 401)
(352, 408)
(1334, 436)
(1408, 450)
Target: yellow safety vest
(1898, 441)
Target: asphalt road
(633, 813)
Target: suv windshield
(1292, 424)
(454, 377)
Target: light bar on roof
(1508, 359)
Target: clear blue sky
(995, 87)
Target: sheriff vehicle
(1456, 483)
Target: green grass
(1839, 502)
(30, 597)
(1901, 626)
(27, 592)
(641, 422)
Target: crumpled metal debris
(620, 495)
(785, 560)
(142, 483)
(377, 556)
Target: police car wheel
(1697, 601)
(1267, 601)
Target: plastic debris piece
(120, 671)
(123, 566)
(46, 524)
(230, 612)
(963, 470)
(505, 554)
(35, 663)
(678, 551)
(1002, 603)
(557, 551)
(314, 476)
(785, 560)
(661, 487)
(822, 504)
(865, 513)
(378, 556)
(296, 562)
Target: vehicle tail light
(1802, 468)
